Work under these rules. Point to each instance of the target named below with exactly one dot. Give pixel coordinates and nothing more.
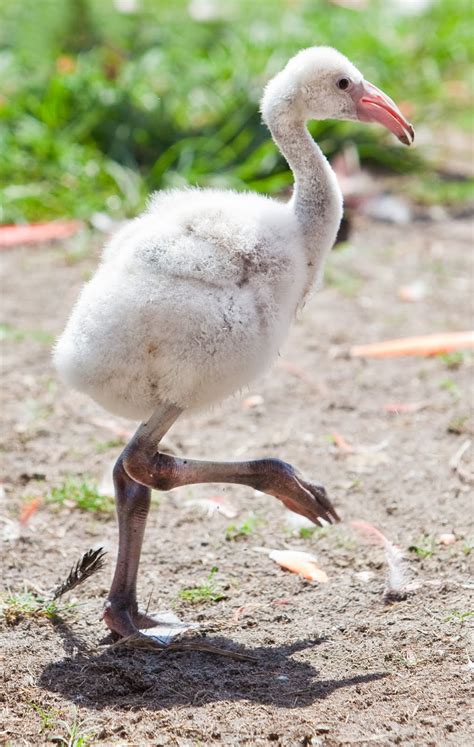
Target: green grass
(207, 592)
(425, 546)
(14, 334)
(82, 495)
(98, 107)
(459, 616)
(16, 607)
(246, 528)
(61, 731)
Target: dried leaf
(442, 342)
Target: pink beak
(374, 106)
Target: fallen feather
(364, 576)
(420, 345)
(456, 463)
(396, 582)
(214, 504)
(29, 509)
(447, 538)
(91, 562)
(11, 530)
(388, 209)
(246, 608)
(250, 403)
(396, 408)
(415, 291)
(297, 521)
(37, 233)
(118, 430)
(169, 627)
(299, 562)
(341, 443)
(300, 373)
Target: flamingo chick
(194, 298)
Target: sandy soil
(334, 664)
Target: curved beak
(374, 106)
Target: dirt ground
(334, 664)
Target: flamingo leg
(121, 612)
(141, 467)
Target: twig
(455, 463)
(140, 641)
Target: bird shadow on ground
(161, 680)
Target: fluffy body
(190, 302)
(193, 299)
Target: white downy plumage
(193, 299)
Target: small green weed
(113, 443)
(8, 332)
(207, 592)
(455, 358)
(18, 607)
(75, 734)
(425, 547)
(80, 495)
(316, 532)
(71, 734)
(468, 547)
(249, 526)
(458, 616)
(343, 281)
(458, 424)
(450, 386)
(47, 718)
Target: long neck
(317, 198)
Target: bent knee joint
(156, 472)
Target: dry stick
(456, 466)
(142, 642)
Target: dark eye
(343, 83)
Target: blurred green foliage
(98, 107)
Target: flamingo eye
(343, 84)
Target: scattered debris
(37, 233)
(29, 509)
(297, 521)
(396, 581)
(456, 463)
(433, 344)
(215, 504)
(91, 562)
(396, 408)
(117, 429)
(364, 576)
(299, 562)
(341, 443)
(412, 292)
(317, 386)
(11, 529)
(388, 209)
(252, 402)
(446, 538)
